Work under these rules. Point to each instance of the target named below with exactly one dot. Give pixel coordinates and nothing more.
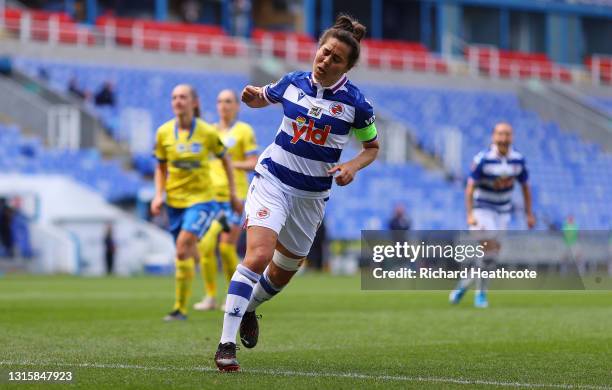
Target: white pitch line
(398, 378)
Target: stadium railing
(601, 68)
(58, 28)
(489, 60)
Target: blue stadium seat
(28, 156)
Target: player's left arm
(366, 156)
(248, 164)
(522, 178)
(531, 221)
(364, 129)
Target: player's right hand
(156, 205)
(250, 93)
(471, 221)
(237, 204)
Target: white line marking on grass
(396, 378)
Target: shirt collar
(231, 126)
(193, 125)
(334, 88)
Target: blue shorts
(195, 219)
(232, 217)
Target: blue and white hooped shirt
(494, 176)
(316, 126)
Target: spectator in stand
(74, 89)
(106, 95)
(241, 9)
(191, 11)
(43, 74)
(400, 220)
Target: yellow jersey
(240, 142)
(187, 154)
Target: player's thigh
(261, 242)
(486, 219)
(301, 226)
(232, 236)
(502, 221)
(175, 220)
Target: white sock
(238, 296)
(264, 291)
(464, 283)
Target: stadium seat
(28, 156)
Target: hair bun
(350, 24)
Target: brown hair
(347, 30)
(232, 92)
(196, 98)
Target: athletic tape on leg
(286, 263)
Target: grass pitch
(321, 332)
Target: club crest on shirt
(315, 112)
(336, 109)
(301, 94)
(262, 213)
(229, 141)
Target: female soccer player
(294, 175)
(488, 202)
(239, 138)
(182, 148)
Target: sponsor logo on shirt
(315, 112)
(196, 147)
(312, 134)
(187, 164)
(503, 182)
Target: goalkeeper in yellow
(239, 139)
(182, 148)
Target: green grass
(321, 332)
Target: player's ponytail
(349, 31)
(196, 98)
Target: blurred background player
(286, 200)
(488, 201)
(182, 148)
(239, 139)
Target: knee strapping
(285, 262)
